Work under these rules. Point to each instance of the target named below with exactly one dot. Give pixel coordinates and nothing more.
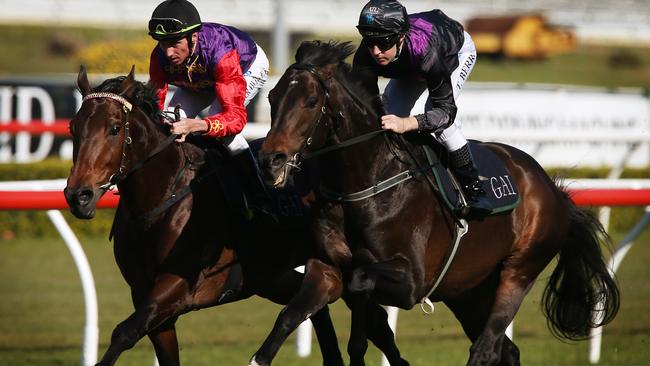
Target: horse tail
(581, 293)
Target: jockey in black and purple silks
(423, 51)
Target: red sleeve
(230, 88)
(157, 78)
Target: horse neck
(148, 186)
(370, 157)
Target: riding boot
(464, 168)
(259, 204)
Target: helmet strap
(400, 45)
(191, 59)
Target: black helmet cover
(380, 18)
(174, 19)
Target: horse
(391, 245)
(177, 243)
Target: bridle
(301, 155)
(122, 172)
(296, 160)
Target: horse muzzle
(82, 201)
(276, 167)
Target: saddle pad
(498, 183)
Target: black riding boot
(259, 203)
(464, 168)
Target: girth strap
(369, 192)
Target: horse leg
(369, 319)
(485, 312)
(381, 335)
(282, 291)
(165, 343)
(322, 284)
(326, 336)
(165, 301)
(390, 282)
(358, 342)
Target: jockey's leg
(464, 167)
(461, 159)
(258, 199)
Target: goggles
(168, 26)
(384, 43)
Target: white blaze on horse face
(293, 82)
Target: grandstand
(622, 21)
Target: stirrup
(469, 208)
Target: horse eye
(311, 102)
(115, 129)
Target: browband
(125, 103)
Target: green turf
(33, 50)
(42, 317)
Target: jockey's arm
(442, 112)
(158, 80)
(230, 89)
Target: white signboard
(559, 127)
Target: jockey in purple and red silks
(213, 66)
(423, 51)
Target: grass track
(41, 318)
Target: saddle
(498, 183)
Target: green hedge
(36, 223)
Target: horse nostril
(278, 159)
(85, 196)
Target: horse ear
(129, 83)
(82, 81)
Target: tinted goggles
(384, 43)
(164, 26)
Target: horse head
(104, 131)
(308, 107)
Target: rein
(302, 155)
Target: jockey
(423, 51)
(213, 66)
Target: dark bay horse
(390, 247)
(178, 245)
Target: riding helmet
(380, 18)
(174, 19)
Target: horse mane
(319, 54)
(144, 95)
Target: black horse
(391, 247)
